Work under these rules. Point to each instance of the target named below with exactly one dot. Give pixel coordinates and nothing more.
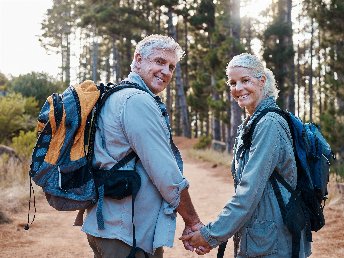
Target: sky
(20, 25)
(20, 50)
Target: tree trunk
(235, 110)
(116, 66)
(180, 98)
(290, 66)
(67, 65)
(319, 74)
(310, 86)
(216, 113)
(94, 60)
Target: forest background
(302, 42)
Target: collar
(134, 77)
(265, 103)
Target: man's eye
(159, 62)
(171, 68)
(245, 80)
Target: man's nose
(166, 69)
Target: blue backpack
(313, 156)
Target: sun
(253, 8)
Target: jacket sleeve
(262, 159)
(148, 135)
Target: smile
(243, 96)
(159, 79)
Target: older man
(133, 120)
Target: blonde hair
(253, 63)
(155, 41)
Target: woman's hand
(196, 240)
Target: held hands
(193, 240)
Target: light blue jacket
(253, 211)
(132, 120)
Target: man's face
(156, 69)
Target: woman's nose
(238, 86)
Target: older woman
(253, 215)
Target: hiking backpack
(313, 156)
(62, 157)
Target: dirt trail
(52, 234)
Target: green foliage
(3, 81)
(338, 170)
(204, 142)
(210, 155)
(332, 127)
(24, 143)
(13, 116)
(37, 85)
(205, 16)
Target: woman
(253, 215)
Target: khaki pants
(114, 248)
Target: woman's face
(246, 89)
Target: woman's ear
(262, 81)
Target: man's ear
(138, 58)
(138, 61)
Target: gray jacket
(253, 211)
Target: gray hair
(146, 46)
(253, 63)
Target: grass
(12, 171)
(225, 159)
(209, 155)
(337, 170)
(13, 184)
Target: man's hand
(196, 240)
(189, 230)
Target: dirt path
(52, 234)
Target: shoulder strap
(247, 137)
(58, 108)
(106, 92)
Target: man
(132, 120)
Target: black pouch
(118, 184)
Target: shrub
(204, 142)
(11, 171)
(24, 143)
(338, 170)
(13, 115)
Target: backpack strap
(296, 236)
(247, 143)
(221, 250)
(106, 93)
(58, 108)
(247, 137)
